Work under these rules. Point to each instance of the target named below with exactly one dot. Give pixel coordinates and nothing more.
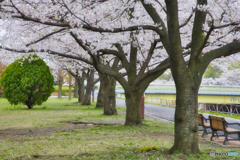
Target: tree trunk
(133, 113)
(29, 104)
(110, 97)
(101, 92)
(80, 84)
(87, 97)
(75, 95)
(90, 84)
(186, 125)
(60, 89)
(70, 92)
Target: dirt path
(69, 126)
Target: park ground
(63, 129)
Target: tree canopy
(27, 81)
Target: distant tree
(166, 76)
(212, 72)
(70, 83)
(90, 84)
(27, 81)
(59, 76)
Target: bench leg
(212, 135)
(226, 138)
(204, 132)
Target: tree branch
(150, 53)
(227, 50)
(49, 52)
(188, 19)
(157, 19)
(48, 35)
(161, 67)
(118, 54)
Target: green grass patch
(38, 134)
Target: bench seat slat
(232, 130)
(207, 125)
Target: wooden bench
(67, 93)
(54, 93)
(203, 122)
(219, 124)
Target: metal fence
(222, 108)
(213, 107)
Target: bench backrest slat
(217, 123)
(199, 120)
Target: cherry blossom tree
(59, 76)
(78, 38)
(184, 35)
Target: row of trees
(134, 42)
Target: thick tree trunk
(87, 97)
(80, 84)
(75, 95)
(101, 92)
(60, 89)
(133, 113)
(110, 101)
(90, 84)
(186, 125)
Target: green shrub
(27, 81)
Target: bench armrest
(205, 119)
(233, 123)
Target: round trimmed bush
(27, 81)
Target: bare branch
(188, 19)
(150, 53)
(118, 54)
(74, 14)
(206, 38)
(49, 52)
(48, 35)
(161, 67)
(80, 42)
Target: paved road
(168, 113)
(165, 112)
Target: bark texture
(90, 83)
(186, 125)
(79, 84)
(75, 95)
(133, 113)
(60, 84)
(101, 92)
(110, 97)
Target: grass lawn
(63, 129)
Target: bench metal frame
(203, 119)
(224, 125)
